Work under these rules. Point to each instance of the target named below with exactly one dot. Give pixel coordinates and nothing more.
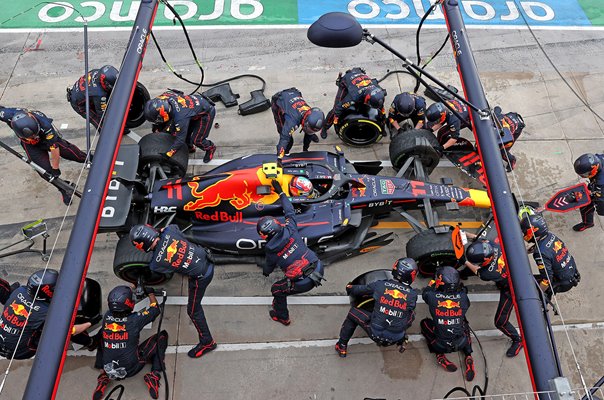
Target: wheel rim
(132, 272)
(361, 133)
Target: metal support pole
(45, 374)
(540, 355)
(87, 84)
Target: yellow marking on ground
(406, 225)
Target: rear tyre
(136, 113)
(416, 142)
(358, 130)
(130, 264)
(365, 302)
(431, 250)
(154, 146)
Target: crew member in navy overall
(187, 117)
(286, 249)
(448, 330)
(445, 123)
(38, 138)
(407, 106)
(291, 111)
(120, 354)
(172, 252)
(100, 84)
(590, 166)
(393, 311)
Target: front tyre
(130, 264)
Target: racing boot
(470, 372)
(514, 349)
(209, 153)
(274, 317)
(580, 227)
(101, 386)
(201, 349)
(449, 366)
(152, 380)
(341, 349)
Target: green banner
(114, 13)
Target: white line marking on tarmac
(299, 26)
(63, 126)
(298, 300)
(134, 136)
(299, 344)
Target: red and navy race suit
(119, 352)
(447, 331)
(515, 124)
(557, 268)
(417, 115)
(289, 110)
(191, 119)
(288, 251)
(173, 253)
(97, 95)
(48, 139)
(353, 87)
(497, 272)
(12, 323)
(393, 312)
(452, 124)
(596, 186)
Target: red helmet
(300, 186)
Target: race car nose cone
(335, 29)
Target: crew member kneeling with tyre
(173, 253)
(120, 355)
(393, 309)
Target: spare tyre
(420, 143)
(365, 301)
(153, 148)
(359, 130)
(431, 249)
(136, 113)
(130, 264)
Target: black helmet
(447, 279)
(587, 165)
(314, 120)
(404, 104)
(404, 270)
(143, 237)
(121, 299)
(268, 227)
(533, 226)
(375, 98)
(436, 114)
(41, 284)
(157, 110)
(26, 127)
(108, 77)
(480, 253)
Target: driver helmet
(404, 270)
(268, 227)
(26, 127)
(480, 253)
(587, 165)
(108, 77)
(436, 114)
(534, 227)
(375, 97)
(300, 186)
(447, 279)
(41, 284)
(313, 120)
(157, 110)
(404, 104)
(143, 237)
(121, 299)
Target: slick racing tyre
(416, 142)
(91, 302)
(136, 113)
(365, 302)
(153, 148)
(130, 264)
(431, 250)
(360, 130)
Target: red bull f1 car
(219, 209)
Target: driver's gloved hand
(277, 186)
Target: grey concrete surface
(515, 75)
